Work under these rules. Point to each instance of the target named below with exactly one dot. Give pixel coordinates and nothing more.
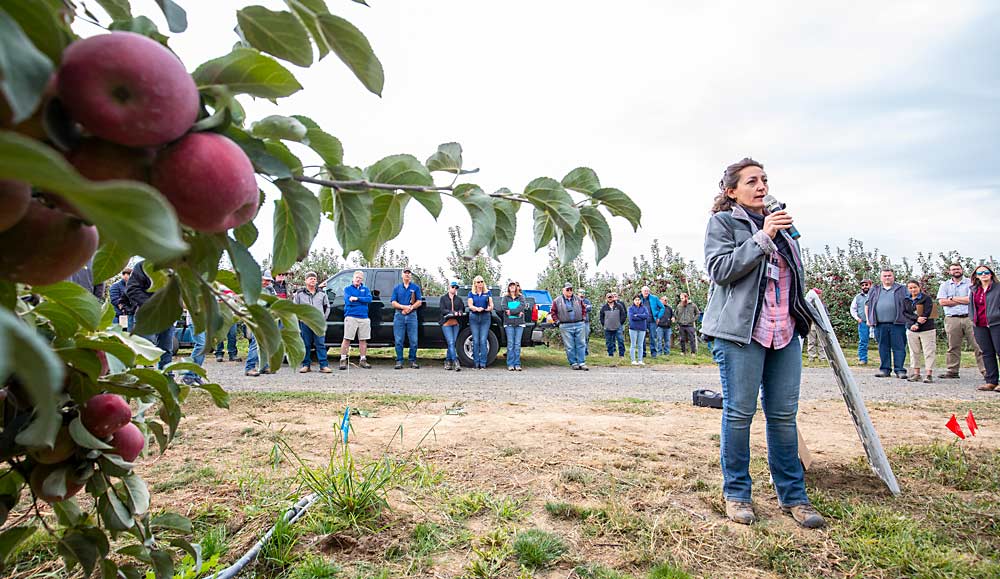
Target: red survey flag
(970, 420)
(954, 427)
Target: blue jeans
(198, 353)
(611, 337)
(572, 336)
(719, 359)
(774, 375)
(230, 344)
(863, 337)
(479, 323)
(405, 327)
(662, 339)
(451, 336)
(514, 334)
(164, 341)
(131, 322)
(253, 356)
(311, 339)
(637, 337)
(891, 347)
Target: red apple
(43, 471)
(47, 245)
(15, 196)
(127, 88)
(209, 180)
(63, 448)
(105, 414)
(100, 160)
(128, 442)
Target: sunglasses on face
(984, 272)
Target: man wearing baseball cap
(858, 313)
(569, 315)
(406, 299)
(312, 296)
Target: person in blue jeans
(198, 357)
(512, 308)
(230, 343)
(756, 313)
(884, 312)
(452, 310)
(313, 297)
(638, 321)
(480, 304)
(858, 306)
(568, 314)
(406, 299)
(253, 354)
(613, 315)
(664, 326)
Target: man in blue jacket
(654, 306)
(884, 312)
(407, 299)
(357, 324)
(115, 293)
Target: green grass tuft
(668, 570)
(536, 548)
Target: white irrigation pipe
(291, 515)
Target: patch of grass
(279, 551)
(593, 571)
(536, 548)
(777, 551)
(314, 567)
(884, 541)
(508, 509)
(186, 475)
(427, 538)
(508, 451)
(636, 406)
(951, 465)
(490, 556)
(467, 505)
(667, 570)
(214, 541)
(575, 475)
(567, 511)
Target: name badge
(772, 271)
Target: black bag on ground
(707, 398)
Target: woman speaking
(756, 313)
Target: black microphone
(772, 206)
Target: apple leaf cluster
(110, 148)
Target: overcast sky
(873, 120)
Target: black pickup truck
(429, 334)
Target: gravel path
(662, 383)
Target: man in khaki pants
(954, 296)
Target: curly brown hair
(730, 178)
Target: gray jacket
(736, 255)
(317, 300)
(565, 315)
(873, 295)
(992, 307)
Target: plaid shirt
(775, 327)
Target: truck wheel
(464, 347)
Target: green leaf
(85, 361)
(111, 343)
(68, 513)
(83, 547)
(386, 221)
(63, 322)
(303, 208)
(285, 243)
(109, 259)
(141, 346)
(114, 512)
(24, 70)
(161, 437)
(549, 196)
(108, 316)
(80, 302)
(117, 9)
(266, 329)
(279, 127)
(11, 538)
(597, 228)
(138, 494)
(25, 354)
(247, 268)
(278, 33)
(84, 438)
(172, 522)
(352, 216)
(407, 170)
(506, 225)
(290, 334)
(186, 367)
(569, 242)
(219, 396)
(176, 17)
(308, 11)
(42, 23)
(544, 228)
(484, 218)
(263, 160)
(326, 145)
(448, 158)
(246, 233)
(11, 483)
(353, 48)
(109, 570)
(326, 202)
(133, 214)
(582, 179)
(163, 564)
(620, 205)
(140, 25)
(161, 311)
(305, 313)
(281, 152)
(246, 71)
